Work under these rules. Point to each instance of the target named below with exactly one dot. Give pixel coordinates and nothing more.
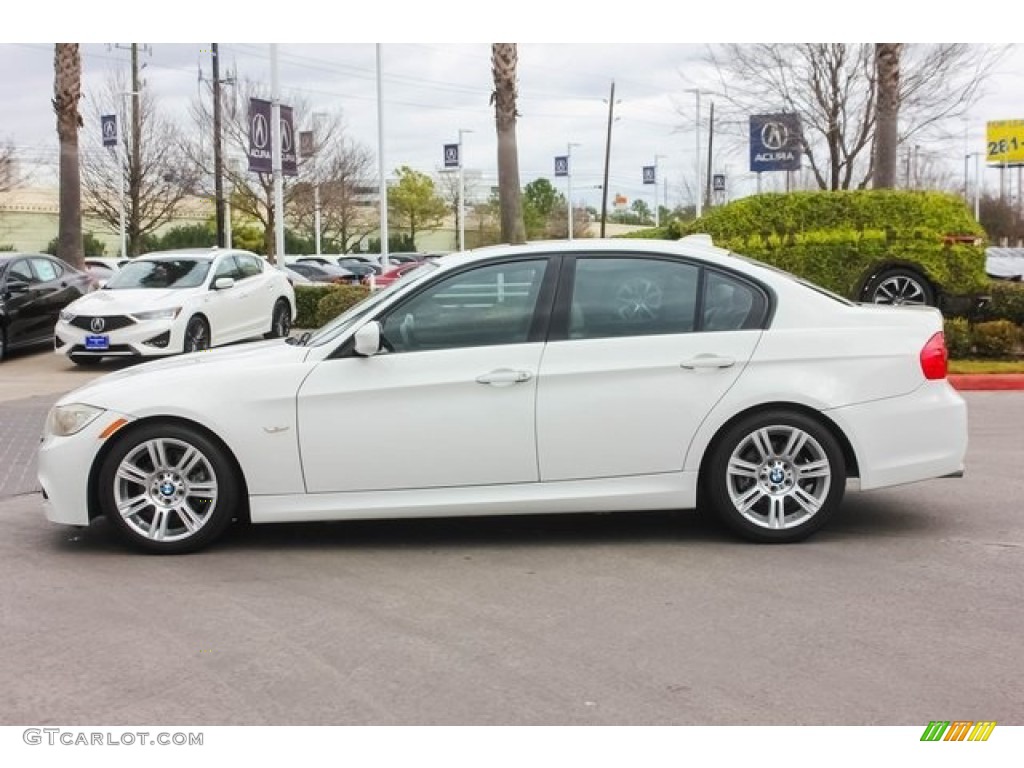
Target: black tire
(3, 344)
(899, 286)
(162, 498)
(803, 480)
(197, 334)
(85, 360)
(280, 320)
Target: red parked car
(386, 279)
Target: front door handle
(704, 362)
(503, 377)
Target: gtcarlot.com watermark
(68, 738)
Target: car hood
(126, 389)
(128, 300)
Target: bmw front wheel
(776, 477)
(167, 489)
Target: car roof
(10, 255)
(698, 246)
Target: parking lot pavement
(905, 609)
(30, 373)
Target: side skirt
(676, 490)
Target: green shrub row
(1006, 302)
(318, 304)
(338, 300)
(994, 338)
(307, 297)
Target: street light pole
(657, 212)
(120, 178)
(462, 193)
(568, 177)
(700, 187)
(275, 142)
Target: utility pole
(135, 172)
(711, 141)
(698, 191)
(275, 146)
(607, 158)
(462, 192)
(657, 209)
(568, 179)
(218, 157)
(383, 194)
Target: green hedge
(338, 300)
(307, 297)
(837, 238)
(1006, 302)
(996, 338)
(958, 337)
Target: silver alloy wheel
(639, 299)
(778, 477)
(899, 290)
(165, 489)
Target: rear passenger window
(632, 297)
(728, 303)
(46, 269)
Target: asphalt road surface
(906, 609)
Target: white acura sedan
(594, 376)
(177, 301)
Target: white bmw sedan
(591, 376)
(177, 301)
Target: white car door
(258, 294)
(452, 403)
(625, 390)
(222, 307)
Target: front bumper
(64, 467)
(149, 338)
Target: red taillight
(934, 357)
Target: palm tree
(887, 93)
(67, 92)
(504, 59)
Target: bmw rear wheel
(776, 477)
(167, 489)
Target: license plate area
(97, 343)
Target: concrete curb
(987, 381)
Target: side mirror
(367, 339)
(16, 286)
(223, 283)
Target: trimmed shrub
(337, 300)
(836, 239)
(996, 338)
(307, 297)
(958, 337)
(1006, 303)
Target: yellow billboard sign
(1005, 142)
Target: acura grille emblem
(97, 324)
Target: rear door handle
(704, 362)
(503, 377)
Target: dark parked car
(34, 288)
(319, 273)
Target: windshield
(347, 319)
(162, 273)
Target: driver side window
(480, 307)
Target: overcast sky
(432, 89)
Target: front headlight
(66, 315)
(158, 314)
(64, 420)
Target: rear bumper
(919, 436)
